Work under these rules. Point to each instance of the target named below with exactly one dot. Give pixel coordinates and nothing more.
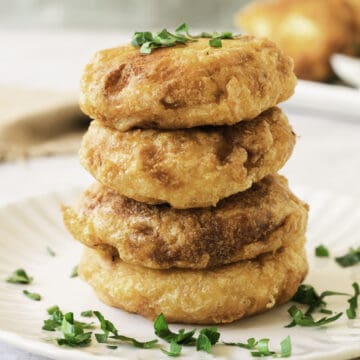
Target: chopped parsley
(322, 251)
(250, 345)
(19, 276)
(307, 295)
(139, 344)
(32, 296)
(353, 302)
(108, 327)
(261, 347)
(74, 272)
(148, 41)
(111, 347)
(301, 319)
(203, 343)
(174, 349)
(286, 347)
(349, 259)
(50, 251)
(87, 313)
(55, 320)
(162, 330)
(73, 332)
(52, 309)
(207, 338)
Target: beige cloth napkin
(35, 123)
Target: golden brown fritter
(188, 168)
(243, 226)
(221, 295)
(187, 85)
(355, 11)
(310, 31)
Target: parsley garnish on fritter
(147, 41)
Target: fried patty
(221, 295)
(310, 31)
(186, 85)
(188, 168)
(243, 226)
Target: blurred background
(117, 14)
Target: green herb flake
(262, 348)
(250, 345)
(349, 259)
(353, 302)
(87, 313)
(326, 311)
(301, 319)
(32, 296)
(174, 349)
(102, 338)
(215, 42)
(212, 334)
(111, 347)
(286, 347)
(73, 332)
(162, 330)
(322, 251)
(203, 343)
(307, 295)
(108, 327)
(138, 344)
(105, 325)
(74, 272)
(55, 320)
(207, 338)
(183, 29)
(52, 309)
(148, 41)
(50, 251)
(19, 276)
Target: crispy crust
(307, 30)
(260, 220)
(221, 295)
(186, 86)
(188, 168)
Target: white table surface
(327, 155)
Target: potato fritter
(243, 226)
(221, 295)
(310, 31)
(188, 168)
(186, 85)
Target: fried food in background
(310, 31)
(243, 226)
(188, 168)
(221, 295)
(186, 86)
(355, 7)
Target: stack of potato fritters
(189, 217)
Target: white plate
(347, 68)
(329, 101)
(27, 227)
